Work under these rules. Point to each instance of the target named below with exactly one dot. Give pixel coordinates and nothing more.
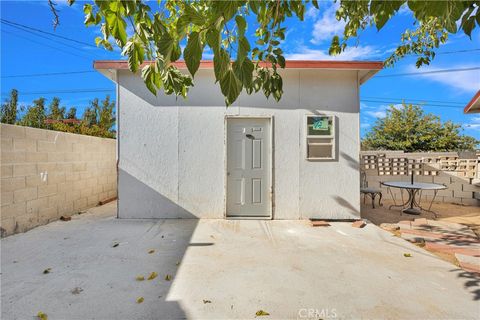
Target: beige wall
(46, 174)
(172, 151)
(458, 175)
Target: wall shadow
(170, 234)
(347, 205)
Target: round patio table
(413, 189)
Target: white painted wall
(171, 151)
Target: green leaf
(230, 87)
(194, 16)
(193, 52)
(117, 27)
(244, 72)
(221, 63)
(241, 25)
(165, 45)
(148, 78)
(134, 50)
(315, 4)
(214, 38)
(243, 48)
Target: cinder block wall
(446, 168)
(47, 174)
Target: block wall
(47, 174)
(460, 176)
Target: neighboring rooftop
(474, 105)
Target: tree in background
(55, 111)
(9, 108)
(409, 129)
(35, 115)
(98, 118)
(160, 35)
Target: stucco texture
(172, 150)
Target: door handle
(249, 136)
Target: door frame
(269, 158)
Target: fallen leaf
(152, 276)
(42, 315)
(115, 245)
(407, 255)
(140, 299)
(47, 270)
(63, 218)
(207, 301)
(140, 278)
(168, 277)
(151, 251)
(177, 264)
(260, 313)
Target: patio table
(413, 189)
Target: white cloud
(364, 125)
(327, 26)
(464, 81)
(351, 53)
(312, 13)
(474, 124)
(377, 111)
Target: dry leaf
(168, 277)
(42, 316)
(407, 255)
(177, 264)
(47, 270)
(140, 278)
(63, 218)
(140, 300)
(152, 276)
(151, 251)
(260, 313)
(207, 301)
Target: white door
(248, 167)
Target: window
(320, 135)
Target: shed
(196, 158)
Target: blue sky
(24, 52)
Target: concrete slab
(286, 268)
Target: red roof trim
(472, 102)
(291, 64)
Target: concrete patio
(225, 269)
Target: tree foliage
(252, 66)
(409, 129)
(98, 118)
(9, 109)
(434, 20)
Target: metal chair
(371, 192)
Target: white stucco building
(196, 158)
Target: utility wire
(47, 45)
(56, 41)
(427, 105)
(61, 91)
(46, 32)
(426, 72)
(420, 100)
(48, 74)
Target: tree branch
(56, 18)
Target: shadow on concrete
(172, 236)
(472, 282)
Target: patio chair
(371, 192)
